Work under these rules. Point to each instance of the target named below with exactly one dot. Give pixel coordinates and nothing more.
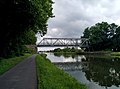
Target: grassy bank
(115, 53)
(103, 53)
(6, 64)
(51, 77)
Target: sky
(73, 16)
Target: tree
(102, 36)
(116, 40)
(29, 37)
(86, 33)
(19, 17)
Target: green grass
(115, 53)
(6, 64)
(51, 77)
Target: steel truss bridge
(61, 42)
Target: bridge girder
(59, 42)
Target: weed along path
(22, 76)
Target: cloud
(73, 16)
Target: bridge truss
(60, 42)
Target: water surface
(95, 72)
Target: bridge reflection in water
(95, 72)
(77, 63)
(72, 66)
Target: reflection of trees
(75, 64)
(105, 72)
(66, 55)
(57, 54)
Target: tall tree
(116, 40)
(102, 36)
(19, 17)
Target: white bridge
(61, 42)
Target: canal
(97, 72)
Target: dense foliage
(67, 50)
(51, 77)
(19, 21)
(103, 36)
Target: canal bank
(103, 53)
(51, 77)
(100, 53)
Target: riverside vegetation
(20, 21)
(73, 51)
(51, 77)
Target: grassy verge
(115, 53)
(6, 64)
(51, 77)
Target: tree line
(103, 36)
(19, 21)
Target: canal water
(95, 71)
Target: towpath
(22, 76)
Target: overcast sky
(73, 16)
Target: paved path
(22, 76)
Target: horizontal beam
(64, 38)
(84, 46)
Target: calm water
(95, 72)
